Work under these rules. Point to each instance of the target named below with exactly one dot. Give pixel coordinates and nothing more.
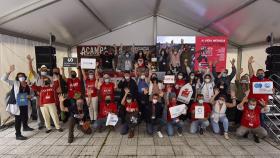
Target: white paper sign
(263, 87)
(178, 110)
(112, 120)
(169, 79)
(88, 63)
(199, 112)
(185, 94)
(154, 59)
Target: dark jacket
(158, 112)
(132, 87)
(226, 80)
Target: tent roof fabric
(245, 22)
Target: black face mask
(47, 82)
(55, 73)
(107, 101)
(73, 75)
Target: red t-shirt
(105, 109)
(131, 106)
(180, 83)
(74, 86)
(46, 94)
(251, 118)
(257, 96)
(90, 85)
(207, 109)
(107, 89)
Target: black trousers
(22, 118)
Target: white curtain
(13, 51)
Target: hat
(43, 66)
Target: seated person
(173, 122)
(219, 111)
(78, 112)
(250, 121)
(131, 114)
(105, 107)
(153, 116)
(199, 122)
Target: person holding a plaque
(200, 113)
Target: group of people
(86, 97)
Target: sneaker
(246, 135)
(60, 130)
(20, 137)
(201, 131)
(226, 136)
(40, 127)
(256, 139)
(48, 131)
(159, 134)
(28, 129)
(180, 132)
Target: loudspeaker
(273, 50)
(45, 55)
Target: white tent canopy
(245, 22)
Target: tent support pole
(239, 59)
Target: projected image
(175, 53)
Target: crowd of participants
(84, 98)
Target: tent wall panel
(14, 51)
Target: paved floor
(112, 144)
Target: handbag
(10, 99)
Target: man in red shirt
(250, 121)
(199, 120)
(47, 103)
(106, 88)
(91, 93)
(131, 116)
(74, 84)
(105, 107)
(260, 77)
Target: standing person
(223, 76)
(91, 84)
(47, 103)
(219, 111)
(163, 60)
(207, 88)
(106, 88)
(199, 123)
(74, 83)
(259, 77)
(180, 82)
(131, 115)
(153, 117)
(130, 83)
(251, 122)
(107, 57)
(39, 82)
(106, 107)
(19, 95)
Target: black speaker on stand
(45, 55)
(273, 60)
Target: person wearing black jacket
(129, 83)
(153, 116)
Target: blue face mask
(224, 75)
(260, 77)
(251, 107)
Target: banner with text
(210, 49)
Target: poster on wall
(210, 49)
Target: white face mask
(44, 73)
(21, 79)
(192, 77)
(251, 107)
(127, 77)
(143, 77)
(180, 77)
(107, 80)
(200, 101)
(154, 101)
(127, 55)
(90, 76)
(207, 80)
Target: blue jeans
(216, 127)
(99, 123)
(173, 123)
(198, 123)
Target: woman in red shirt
(47, 104)
(91, 93)
(106, 88)
(180, 82)
(131, 116)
